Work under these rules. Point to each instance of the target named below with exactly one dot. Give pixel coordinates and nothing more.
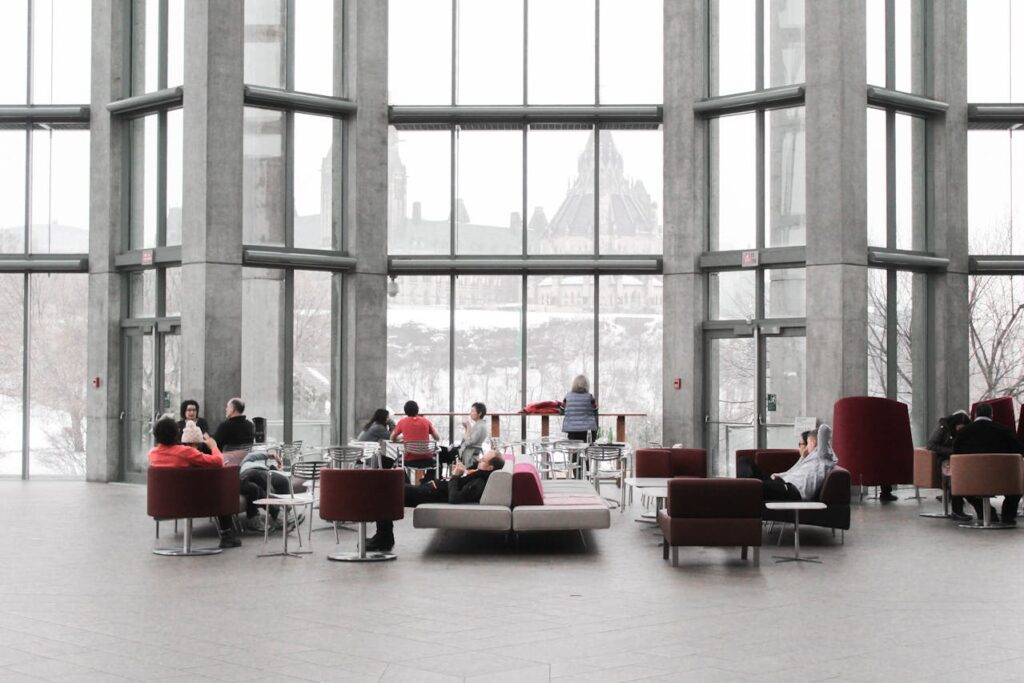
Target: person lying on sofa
(803, 480)
(464, 486)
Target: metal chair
(425, 456)
(307, 468)
(599, 455)
(570, 464)
(288, 458)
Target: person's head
(189, 410)
(983, 410)
(477, 411)
(411, 409)
(958, 421)
(380, 417)
(804, 444)
(166, 431)
(580, 384)
(235, 407)
(492, 460)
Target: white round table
(796, 507)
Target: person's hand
(208, 440)
(458, 470)
(775, 476)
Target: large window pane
(175, 43)
(785, 293)
(785, 203)
(559, 335)
(263, 177)
(142, 136)
(488, 337)
(733, 205)
(630, 353)
(731, 400)
(631, 51)
(732, 295)
(995, 192)
(490, 52)
(13, 49)
(60, 191)
(560, 191)
(265, 43)
(561, 52)
(878, 298)
(910, 182)
(489, 192)
(419, 330)
(61, 40)
(909, 47)
(314, 46)
(145, 46)
(784, 42)
(785, 386)
(12, 191)
(314, 181)
(12, 307)
(875, 47)
(732, 39)
(631, 191)
(263, 324)
(58, 315)
(311, 392)
(175, 168)
(876, 178)
(142, 294)
(419, 192)
(420, 51)
(996, 336)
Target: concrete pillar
(685, 217)
(212, 210)
(362, 330)
(105, 218)
(948, 367)
(836, 203)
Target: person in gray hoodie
(802, 481)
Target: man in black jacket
(237, 429)
(985, 436)
(464, 486)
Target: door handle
(121, 416)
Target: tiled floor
(907, 598)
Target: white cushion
(498, 490)
(470, 516)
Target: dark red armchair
(1002, 411)
(190, 492)
(872, 439)
(712, 512)
(370, 495)
(769, 460)
(672, 462)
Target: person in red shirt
(169, 452)
(415, 427)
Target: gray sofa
(567, 505)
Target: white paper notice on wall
(804, 424)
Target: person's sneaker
(230, 541)
(255, 524)
(887, 497)
(959, 517)
(377, 544)
(296, 521)
(1010, 522)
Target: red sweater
(183, 456)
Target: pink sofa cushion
(526, 488)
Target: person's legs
(776, 489)
(746, 468)
(226, 529)
(979, 503)
(384, 539)
(1008, 515)
(886, 495)
(956, 504)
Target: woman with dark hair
(476, 434)
(192, 437)
(377, 428)
(169, 452)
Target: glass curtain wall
(44, 209)
(897, 208)
(754, 333)
(510, 190)
(291, 195)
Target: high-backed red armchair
(769, 460)
(1002, 411)
(872, 438)
(672, 462)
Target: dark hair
(166, 431)
(186, 403)
(806, 435)
(957, 419)
(480, 408)
(380, 416)
(497, 462)
(239, 405)
(983, 410)
(411, 408)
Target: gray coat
(580, 412)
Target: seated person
(476, 434)
(464, 486)
(236, 430)
(377, 429)
(985, 436)
(414, 427)
(169, 452)
(807, 443)
(253, 473)
(803, 480)
(941, 443)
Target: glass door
(152, 387)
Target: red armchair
(1002, 411)
(370, 495)
(190, 492)
(769, 460)
(712, 512)
(672, 462)
(872, 439)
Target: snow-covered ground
(44, 452)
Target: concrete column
(685, 219)
(212, 209)
(948, 352)
(106, 293)
(362, 343)
(836, 203)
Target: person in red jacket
(168, 452)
